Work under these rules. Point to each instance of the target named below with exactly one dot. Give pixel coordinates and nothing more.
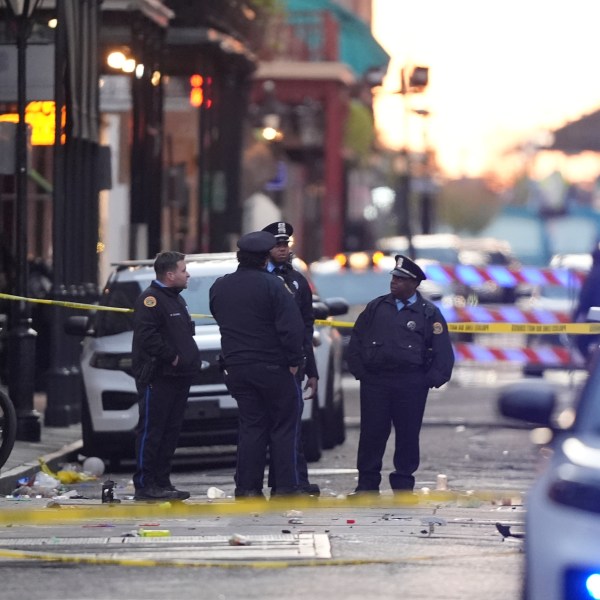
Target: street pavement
(450, 534)
(445, 407)
(59, 445)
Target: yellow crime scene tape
(70, 512)
(523, 328)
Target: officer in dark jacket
(280, 264)
(261, 340)
(165, 359)
(399, 348)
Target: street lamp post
(21, 337)
(410, 83)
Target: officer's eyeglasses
(283, 244)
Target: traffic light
(198, 91)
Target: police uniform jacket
(163, 329)
(300, 287)
(388, 341)
(258, 319)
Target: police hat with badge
(281, 230)
(407, 268)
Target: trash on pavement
(94, 466)
(108, 494)
(431, 522)
(154, 532)
(65, 476)
(214, 493)
(239, 540)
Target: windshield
(123, 294)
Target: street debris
(239, 540)
(505, 532)
(431, 522)
(214, 492)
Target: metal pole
(21, 361)
(403, 185)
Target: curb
(354, 422)
(9, 479)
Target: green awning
(357, 46)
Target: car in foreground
(562, 526)
(110, 401)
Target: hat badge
(399, 263)
(281, 228)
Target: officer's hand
(293, 370)
(311, 384)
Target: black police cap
(405, 267)
(281, 230)
(257, 241)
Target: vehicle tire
(340, 423)
(333, 426)
(8, 427)
(311, 434)
(87, 431)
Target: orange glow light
(40, 117)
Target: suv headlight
(111, 362)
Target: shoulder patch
(150, 301)
(438, 328)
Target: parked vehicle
(489, 253)
(562, 527)
(556, 300)
(110, 401)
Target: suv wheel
(311, 434)
(334, 429)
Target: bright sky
(499, 73)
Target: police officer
(165, 359)
(261, 340)
(399, 348)
(280, 264)
(589, 296)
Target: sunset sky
(500, 74)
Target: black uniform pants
(300, 458)
(268, 399)
(162, 406)
(397, 399)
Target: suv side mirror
(320, 310)
(529, 401)
(78, 326)
(337, 306)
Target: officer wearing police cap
(261, 341)
(280, 264)
(399, 349)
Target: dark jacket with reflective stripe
(162, 330)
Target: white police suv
(562, 533)
(110, 402)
